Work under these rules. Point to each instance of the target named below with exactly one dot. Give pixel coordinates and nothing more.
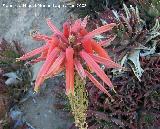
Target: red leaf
(98, 49)
(79, 68)
(95, 67)
(52, 44)
(69, 70)
(87, 45)
(76, 26)
(100, 30)
(56, 65)
(33, 53)
(40, 37)
(55, 30)
(83, 32)
(66, 29)
(97, 84)
(108, 63)
(84, 22)
(45, 67)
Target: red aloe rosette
(72, 51)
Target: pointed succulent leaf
(84, 22)
(79, 69)
(55, 30)
(56, 65)
(40, 37)
(33, 53)
(45, 67)
(100, 30)
(76, 26)
(66, 29)
(52, 44)
(87, 45)
(95, 67)
(69, 71)
(97, 84)
(99, 50)
(108, 63)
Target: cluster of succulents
(137, 48)
(136, 103)
(134, 38)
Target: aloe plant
(76, 52)
(134, 38)
(69, 50)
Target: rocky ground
(40, 112)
